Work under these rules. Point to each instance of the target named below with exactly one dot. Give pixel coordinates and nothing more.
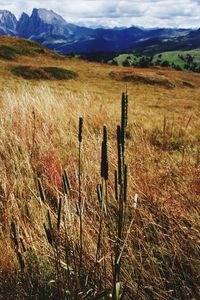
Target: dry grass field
(39, 122)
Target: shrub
(59, 73)
(126, 63)
(144, 62)
(28, 72)
(7, 52)
(165, 63)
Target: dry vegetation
(39, 139)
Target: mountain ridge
(53, 31)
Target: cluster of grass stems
(72, 279)
(100, 249)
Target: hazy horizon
(94, 13)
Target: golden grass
(38, 138)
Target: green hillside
(180, 60)
(124, 59)
(186, 60)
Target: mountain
(42, 23)
(188, 40)
(8, 23)
(51, 30)
(109, 40)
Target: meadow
(69, 227)
(179, 60)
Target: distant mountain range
(52, 31)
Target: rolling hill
(180, 60)
(12, 47)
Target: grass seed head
(80, 131)
(104, 155)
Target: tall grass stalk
(102, 194)
(122, 198)
(66, 194)
(100, 200)
(104, 164)
(80, 203)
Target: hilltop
(12, 47)
(48, 190)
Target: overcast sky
(147, 13)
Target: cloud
(147, 13)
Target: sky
(111, 13)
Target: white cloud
(147, 13)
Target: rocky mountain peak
(22, 24)
(41, 24)
(48, 16)
(8, 20)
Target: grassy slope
(171, 57)
(11, 48)
(38, 137)
(122, 57)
